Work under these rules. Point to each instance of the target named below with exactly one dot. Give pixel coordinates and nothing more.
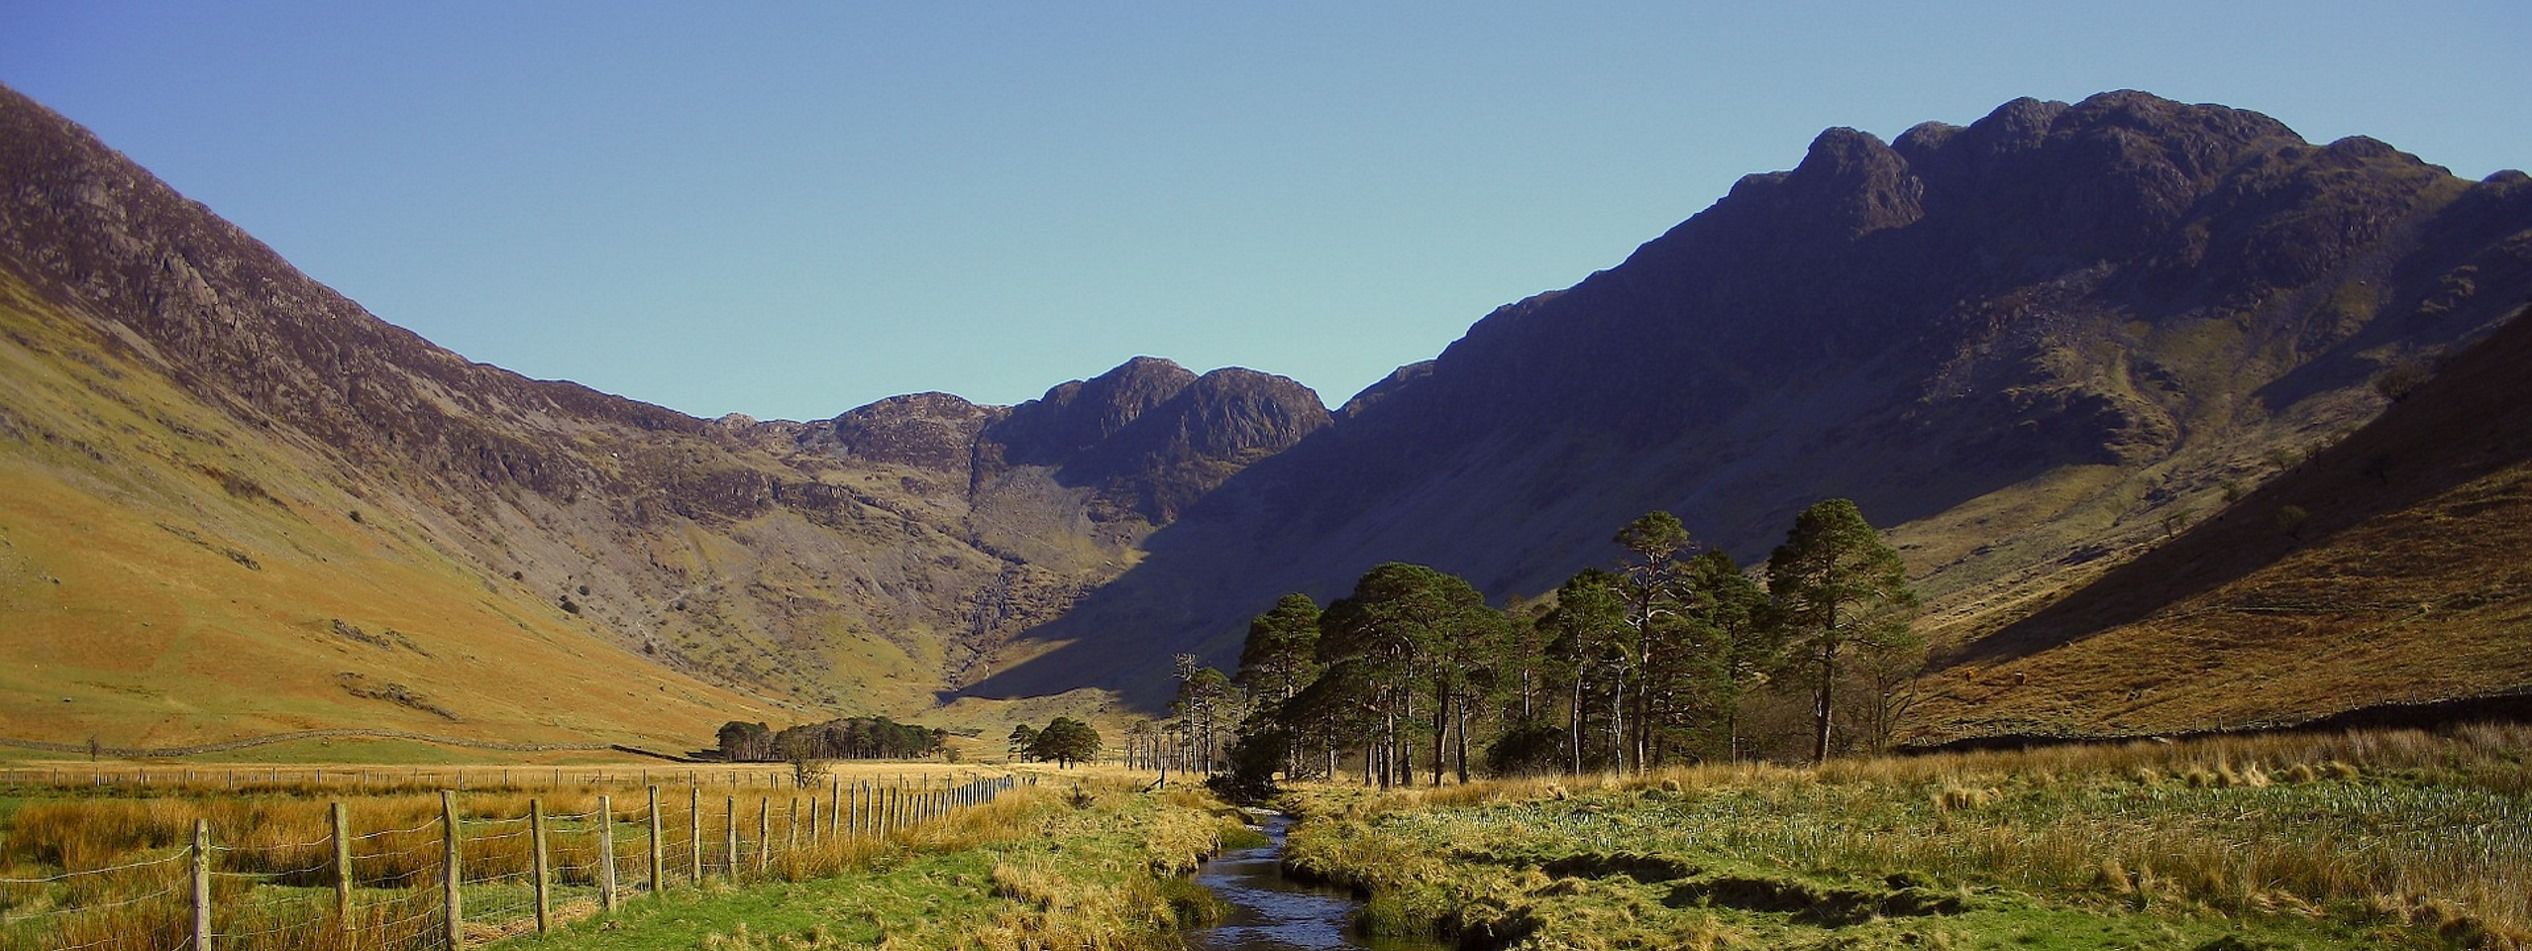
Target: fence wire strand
(66, 876)
(424, 827)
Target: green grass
(2397, 840)
(921, 894)
(1044, 873)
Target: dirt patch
(1826, 906)
(394, 693)
(1642, 868)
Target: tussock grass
(2369, 839)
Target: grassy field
(106, 867)
(1098, 869)
(2374, 840)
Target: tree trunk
(1403, 746)
(1617, 725)
(1441, 730)
(1292, 750)
(1822, 706)
(1643, 705)
(1573, 725)
(1463, 741)
(1388, 750)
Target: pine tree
(1588, 638)
(1837, 588)
(1396, 627)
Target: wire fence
(482, 868)
(388, 779)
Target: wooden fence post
(536, 842)
(694, 832)
(732, 840)
(606, 852)
(764, 833)
(451, 907)
(791, 826)
(659, 870)
(202, 885)
(834, 806)
(343, 867)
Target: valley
(2094, 525)
(185, 407)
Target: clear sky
(790, 209)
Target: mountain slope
(184, 408)
(2386, 569)
(2025, 344)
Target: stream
(1272, 913)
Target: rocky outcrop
(1181, 448)
(1076, 417)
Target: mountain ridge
(2070, 316)
(849, 564)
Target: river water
(1272, 913)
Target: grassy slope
(169, 575)
(2396, 840)
(2402, 581)
(175, 575)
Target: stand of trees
(1063, 741)
(1656, 659)
(845, 738)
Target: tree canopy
(1065, 741)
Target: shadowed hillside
(2386, 569)
(2028, 344)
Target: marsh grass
(2400, 836)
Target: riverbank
(1267, 910)
(2388, 839)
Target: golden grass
(2420, 832)
(274, 869)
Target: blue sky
(791, 209)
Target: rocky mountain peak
(1073, 417)
(1181, 448)
(928, 430)
(1855, 183)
